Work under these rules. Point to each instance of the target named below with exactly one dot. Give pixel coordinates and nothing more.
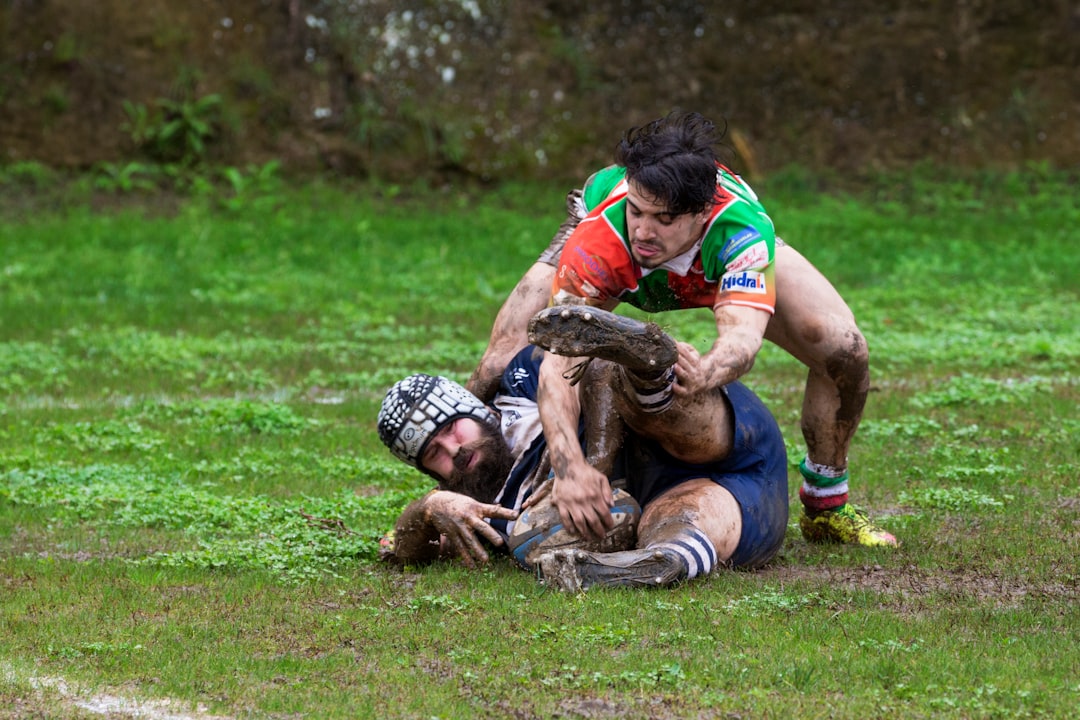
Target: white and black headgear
(415, 408)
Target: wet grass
(192, 489)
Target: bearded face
(481, 466)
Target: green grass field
(192, 489)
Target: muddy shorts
(755, 473)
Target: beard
(485, 479)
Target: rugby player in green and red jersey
(666, 228)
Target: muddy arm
(509, 334)
(532, 294)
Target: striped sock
(655, 394)
(693, 547)
(824, 487)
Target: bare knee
(847, 362)
(698, 503)
(829, 344)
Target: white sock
(828, 471)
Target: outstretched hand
(461, 521)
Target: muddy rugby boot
(583, 331)
(578, 570)
(845, 524)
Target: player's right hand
(583, 498)
(461, 521)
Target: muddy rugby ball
(539, 530)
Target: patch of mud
(592, 708)
(911, 585)
(436, 669)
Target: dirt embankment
(498, 90)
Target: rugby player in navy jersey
(718, 498)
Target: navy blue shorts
(755, 472)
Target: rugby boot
(583, 331)
(577, 570)
(845, 524)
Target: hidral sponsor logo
(748, 282)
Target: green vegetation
(192, 490)
(174, 131)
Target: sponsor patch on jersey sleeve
(738, 243)
(749, 288)
(747, 281)
(756, 257)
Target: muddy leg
(604, 428)
(695, 429)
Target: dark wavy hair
(673, 159)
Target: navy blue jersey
(520, 425)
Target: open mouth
(646, 254)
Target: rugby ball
(539, 530)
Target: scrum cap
(415, 408)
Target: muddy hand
(539, 493)
(461, 521)
(584, 501)
(691, 376)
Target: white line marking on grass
(114, 706)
